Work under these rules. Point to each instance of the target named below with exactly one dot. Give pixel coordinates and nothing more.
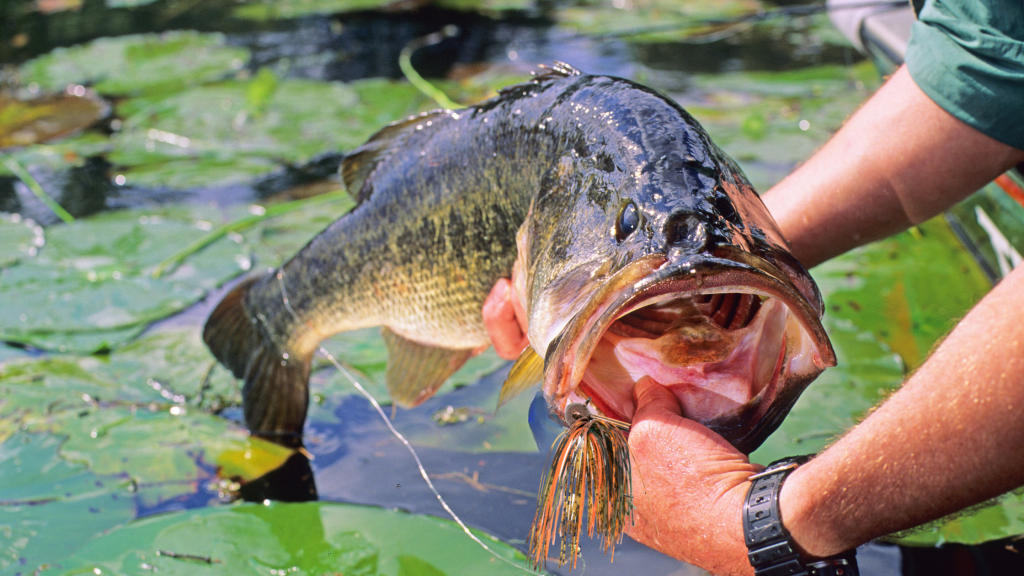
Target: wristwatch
(769, 545)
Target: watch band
(770, 547)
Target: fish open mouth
(730, 335)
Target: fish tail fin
(275, 395)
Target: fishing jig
(590, 469)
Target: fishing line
(419, 464)
(284, 294)
(398, 435)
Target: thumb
(652, 399)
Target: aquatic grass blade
(590, 469)
(242, 224)
(36, 188)
(421, 83)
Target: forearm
(899, 160)
(951, 437)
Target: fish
(635, 245)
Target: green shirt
(968, 57)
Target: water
(357, 45)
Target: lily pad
(20, 237)
(280, 9)
(33, 478)
(127, 3)
(307, 538)
(60, 154)
(137, 64)
(25, 122)
(98, 441)
(142, 414)
(237, 130)
(672, 19)
(91, 288)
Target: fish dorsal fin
(361, 162)
(415, 371)
(527, 372)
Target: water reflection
(292, 482)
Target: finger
(659, 420)
(652, 399)
(500, 321)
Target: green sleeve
(968, 57)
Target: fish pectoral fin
(527, 372)
(415, 371)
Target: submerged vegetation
(172, 133)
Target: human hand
(688, 482)
(505, 321)
(689, 485)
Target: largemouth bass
(635, 245)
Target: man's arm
(951, 437)
(898, 161)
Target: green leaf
(137, 64)
(674, 19)
(239, 129)
(60, 154)
(281, 9)
(89, 287)
(20, 238)
(310, 538)
(40, 492)
(25, 122)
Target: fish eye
(629, 220)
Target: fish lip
(657, 277)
